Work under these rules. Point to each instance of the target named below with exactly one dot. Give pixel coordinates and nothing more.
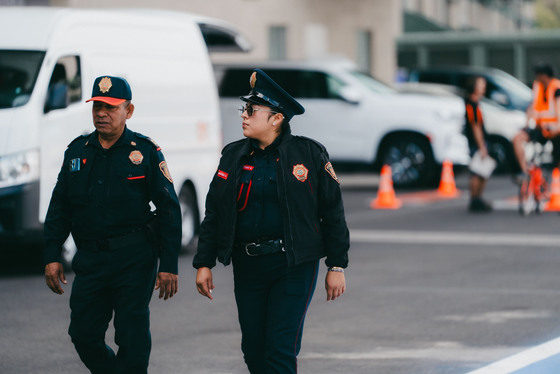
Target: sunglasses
(250, 110)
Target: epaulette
(232, 144)
(149, 140)
(78, 138)
(313, 141)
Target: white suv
(359, 119)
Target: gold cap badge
(105, 85)
(253, 79)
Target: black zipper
(288, 245)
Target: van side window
(65, 85)
(434, 77)
(303, 84)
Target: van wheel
(69, 250)
(411, 160)
(501, 150)
(189, 217)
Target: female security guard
(274, 208)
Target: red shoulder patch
(223, 174)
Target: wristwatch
(336, 269)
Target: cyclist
(477, 136)
(545, 111)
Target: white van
(47, 71)
(359, 119)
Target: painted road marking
(440, 351)
(454, 237)
(543, 357)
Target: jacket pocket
(78, 187)
(130, 182)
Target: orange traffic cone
(386, 194)
(553, 204)
(447, 186)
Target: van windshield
(18, 73)
(371, 83)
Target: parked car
(501, 88)
(501, 123)
(359, 119)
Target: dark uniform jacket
(103, 194)
(309, 192)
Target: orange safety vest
(543, 104)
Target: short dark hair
(470, 83)
(544, 68)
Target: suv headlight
(19, 168)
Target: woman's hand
(335, 284)
(204, 283)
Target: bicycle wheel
(527, 201)
(540, 189)
(543, 196)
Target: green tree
(547, 14)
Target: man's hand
(167, 284)
(53, 273)
(204, 283)
(335, 284)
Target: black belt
(262, 247)
(135, 237)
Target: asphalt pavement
(432, 288)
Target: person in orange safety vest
(544, 111)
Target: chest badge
(136, 157)
(300, 172)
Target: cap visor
(255, 100)
(107, 100)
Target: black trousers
(120, 281)
(272, 302)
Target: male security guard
(545, 110)
(102, 196)
(274, 208)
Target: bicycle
(534, 190)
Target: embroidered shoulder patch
(300, 172)
(329, 168)
(165, 171)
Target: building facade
(482, 15)
(363, 31)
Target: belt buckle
(250, 245)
